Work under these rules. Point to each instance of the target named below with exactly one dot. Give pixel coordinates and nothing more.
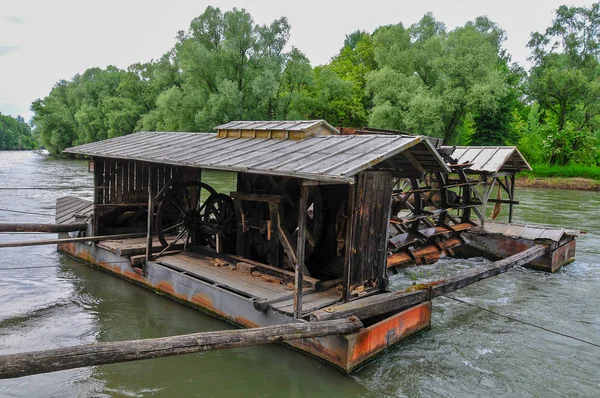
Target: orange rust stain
(240, 320)
(511, 246)
(379, 336)
(203, 300)
(166, 287)
(133, 275)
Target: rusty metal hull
(498, 246)
(346, 352)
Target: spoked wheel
(219, 214)
(179, 209)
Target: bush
(571, 171)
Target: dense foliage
(456, 84)
(15, 134)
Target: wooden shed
(343, 184)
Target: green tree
(15, 134)
(430, 79)
(231, 68)
(565, 81)
(354, 61)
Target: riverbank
(578, 183)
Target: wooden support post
(29, 363)
(441, 182)
(511, 197)
(98, 193)
(150, 220)
(240, 241)
(486, 196)
(300, 251)
(273, 234)
(349, 252)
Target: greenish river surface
(467, 352)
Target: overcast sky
(44, 41)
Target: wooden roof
(334, 158)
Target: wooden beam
(69, 240)
(32, 227)
(286, 241)
(255, 197)
(150, 220)
(349, 249)
(515, 202)
(273, 234)
(300, 251)
(511, 197)
(394, 302)
(413, 160)
(29, 363)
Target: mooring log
(392, 302)
(69, 240)
(31, 227)
(29, 363)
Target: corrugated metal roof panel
(326, 158)
(490, 159)
(530, 232)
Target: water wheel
(193, 208)
(219, 213)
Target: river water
(49, 300)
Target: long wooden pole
(69, 240)
(33, 227)
(29, 363)
(388, 302)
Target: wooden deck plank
(133, 243)
(67, 206)
(311, 301)
(224, 276)
(236, 274)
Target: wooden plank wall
(373, 196)
(118, 183)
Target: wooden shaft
(69, 240)
(486, 197)
(511, 198)
(300, 251)
(29, 363)
(150, 220)
(33, 227)
(389, 302)
(348, 250)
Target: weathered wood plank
(29, 363)
(255, 197)
(151, 177)
(273, 235)
(288, 246)
(349, 249)
(300, 251)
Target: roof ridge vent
(276, 129)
